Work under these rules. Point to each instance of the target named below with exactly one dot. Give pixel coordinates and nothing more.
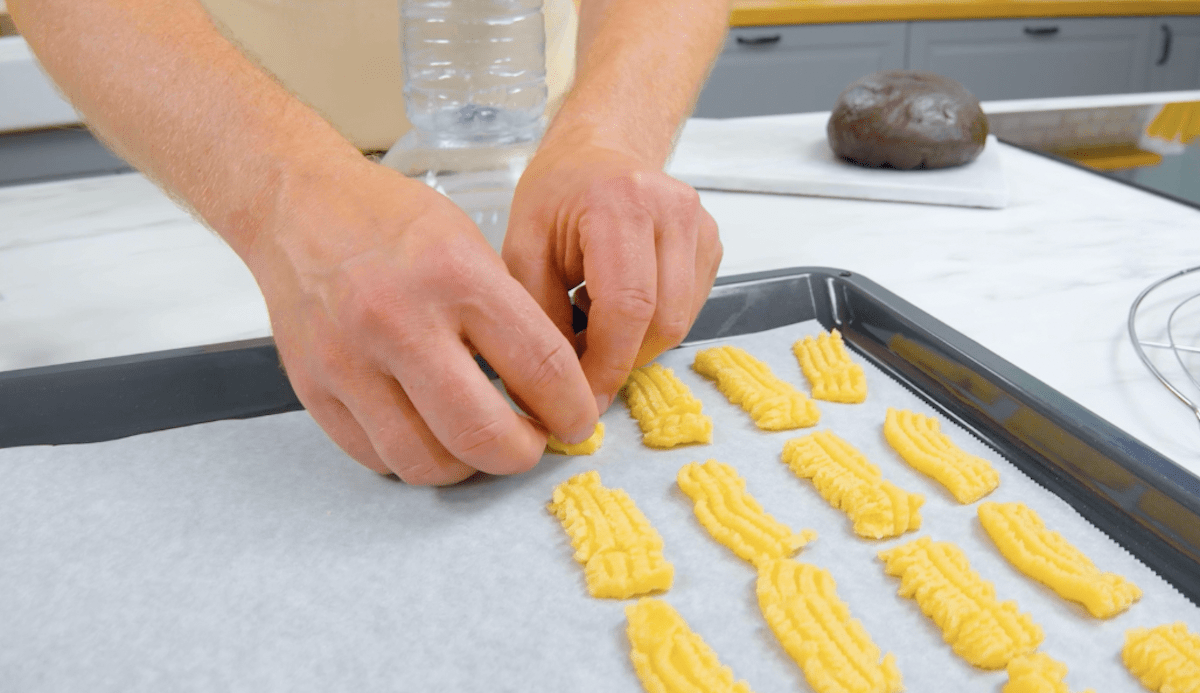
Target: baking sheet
(790, 154)
(252, 555)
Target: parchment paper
(254, 556)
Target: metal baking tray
(1142, 500)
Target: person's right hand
(378, 289)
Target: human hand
(647, 249)
(378, 288)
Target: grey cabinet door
(1175, 54)
(1035, 58)
(795, 69)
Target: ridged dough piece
(733, 517)
(749, 383)
(920, 442)
(665, 409)
(669, 657)
(800, 604)
(985, 632)
(827, 365)
(1037, 673)
(587, 447)
(850, 483)
(1165, 658)
(620, 550)
(1047, 557)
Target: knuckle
(634, 303)
(472, 439)
(553, 366)
(674, 328)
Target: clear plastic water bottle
(475, 93)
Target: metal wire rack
(1172, 344)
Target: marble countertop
(109, 266)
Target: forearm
(157, 81)
(640, 67)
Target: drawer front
(1035, 58)
(794, 69)
(1174, 54)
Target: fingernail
(602, 403)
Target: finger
(333, 416)
(462, 409)
(676, 253)
(582, 300)
(538, 365)
(622, 278)
(543, 282)
(400, 438)
(708, 261)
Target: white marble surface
(109, 266)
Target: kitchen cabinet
(1175, 53)
(1035, 58)
(792, 69)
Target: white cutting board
(789, 154)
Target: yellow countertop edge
(776, 12)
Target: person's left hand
(646, 248)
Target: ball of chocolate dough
(907, 119)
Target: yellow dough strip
(1037, 673)
(983, 631)
(669, 657)
(844, 478)
(620, 550)
(919, 441)
(665, 409)
(827, 365)
(1046, 556)
(587, 447)
(733, 517)
(800, 604)
(773, 404)
(1166, 659)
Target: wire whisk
(1172, 343)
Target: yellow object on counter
(621, 552)
(1037, 673)
(983, 631)
(587, 447)
(827, 365)
(669, 657)
(850, 483)
(1046, 556)
(733, 517)
(920, 442)
(1176, 122)
(1166, 659)
(665, 409)
(749, 383)
(776, 12)
(800, 604)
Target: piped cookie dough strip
(669, 657)
(850, 483)
(985, 632)
(587, 447)
(920, 442)
(620, 550)
(800, 603)
(1037, 673)
(1166, 659)
(733, 517)
(827, 365)
(665, 409)
(774, 405)
(1046, 556)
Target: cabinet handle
(1041, 30)
(1166, 51)
(759, 40)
